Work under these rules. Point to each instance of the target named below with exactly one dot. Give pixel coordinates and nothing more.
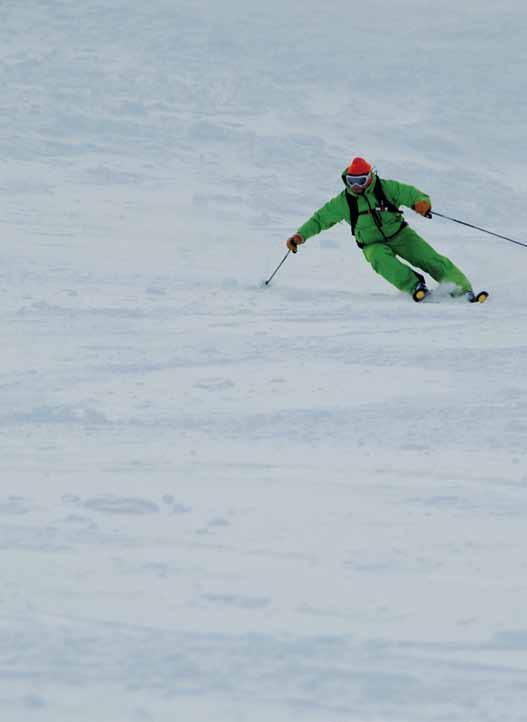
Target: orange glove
(423, 208)
(294, 242)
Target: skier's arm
(402, 194)
(331, 213)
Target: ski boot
(420, 292)
(480, 297)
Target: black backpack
(383, 204)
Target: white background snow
(304, 503)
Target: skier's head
(358, 175)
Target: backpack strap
(354, 210)
(382, 200)
(384, 205)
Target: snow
(218, 501)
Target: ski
(425, 294)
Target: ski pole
(470, 225)
(276, 269)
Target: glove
(423, 208)
(294, 242)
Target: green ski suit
(384, 236)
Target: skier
(371, 207)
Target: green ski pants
(412, 248)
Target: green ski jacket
(366, 229)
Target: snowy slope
(223, 502)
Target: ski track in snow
(225, 502)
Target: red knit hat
(358, 166)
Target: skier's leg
(414, 249)
(385, 263)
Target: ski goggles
(358, 180)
